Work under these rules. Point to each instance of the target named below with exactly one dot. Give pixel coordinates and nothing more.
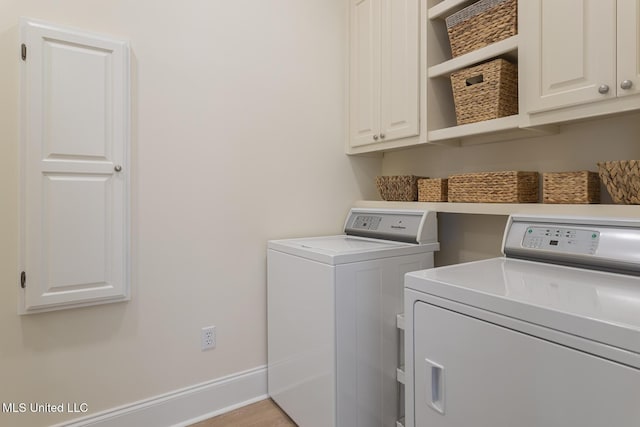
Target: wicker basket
(402, 188)
(432, 190)
(494, 187)
(481, 24)
(486, 91)
(570, 187)
(622, 179)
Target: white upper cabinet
(572, 43)
(74, 168)
(628, 47)
(364, 71)
(399, 69)
(384, 73)
(579, 57)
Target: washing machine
(334, 348)
(546, 335)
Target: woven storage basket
(432, 190)
(570, 187)
(481, 24)
(402, 188)
(486, 91)
(494, 187)
(622, 179)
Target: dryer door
(469, 372)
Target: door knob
(603, 89)
(382, 135)
(117, 168)
(375, 137)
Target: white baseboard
(186, 406)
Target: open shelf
(507, 49)
(501, 129)
(447, 7)
(596, 210)
(442, 125)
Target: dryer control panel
(574, 240)
(600, 243)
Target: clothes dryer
(546, 335)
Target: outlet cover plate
(208, 338)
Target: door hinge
(23, 280)
(23, 51)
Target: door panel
(628, 46)
(400, 69)
(77, 87)
(364, 79)
(77, 230)
(75, 121)
(571, 48)
(485, 375)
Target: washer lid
(343, 244)
(343, 249)
(599, 306)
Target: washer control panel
(366, 222)
(573, 240)
(411, 226)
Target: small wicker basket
(486, 91)
(622, 179)
(494, 187)
(402, 188)
(481, 24)
(432, 190)
(570, 187)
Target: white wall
(238, 121)
(578, 146)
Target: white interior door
(75, 170)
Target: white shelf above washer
(596, 210)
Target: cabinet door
(570, 51)
(364, 72)
(74, 178)
(628, 47)
(473, 373)
(400, 69)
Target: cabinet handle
(117, 168)
(375, 137)
(382, 135)
(626, 84)
(603, 89)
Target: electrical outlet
(208, 338)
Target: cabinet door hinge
(23, 280)
(23, 51)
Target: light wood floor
(264, 413)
